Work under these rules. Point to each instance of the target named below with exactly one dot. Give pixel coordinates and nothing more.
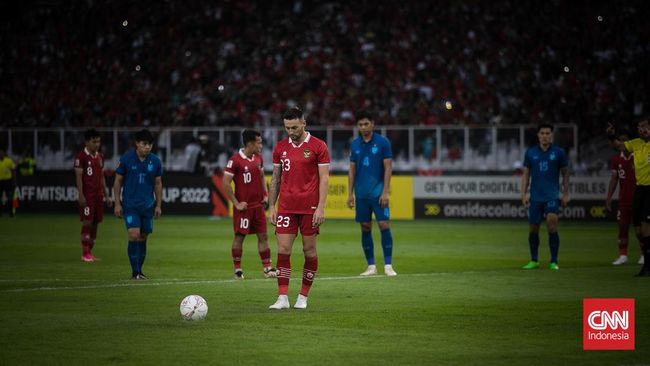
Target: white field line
(180, 281)
(175, 281)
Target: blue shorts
(366, 206)
(538, 210)
(139, 218)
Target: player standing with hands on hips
(543, 164)
(139, 172)
(246, 169)
(301, 177)
(371, 167)
(640, 147)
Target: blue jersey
(139, 179)
(368, 158)
(544, 168)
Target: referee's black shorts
(641, 205)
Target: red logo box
(608, 324)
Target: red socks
(236, 258)
(265, 256)
(284, 273)
(86, 240)
(93, 235)
(308, 274)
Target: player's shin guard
(368, 246)
(308, 275)
(387, 246)
(236, 258)
(265, 256)
(134, 256)
(284, 273)
(86, 240)
(533, 244)
(554, 245)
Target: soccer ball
(194, 307)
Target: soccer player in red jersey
(89, 172)
(246, 169)
(301, 177)
(622, 165)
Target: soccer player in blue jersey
(139, 173)
(543, 164)
(371, 167)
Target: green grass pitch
(460, 297)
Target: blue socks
(533, 243)
(133, 251)
(387, 245)
(368, 246)
(143, 253)
(554, 245)
(137, 251)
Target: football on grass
(194, 307)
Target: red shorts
(624, 213)
(93, 211)
(288, 223)
(250, 221)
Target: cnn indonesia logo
(608, 324)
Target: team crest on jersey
(552, 157)
(374, 149)
(306, 153)
(150, 167)
(246, 168)
(284, 153)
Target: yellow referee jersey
(6, 167)
(641, 150)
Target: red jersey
(93, 173)
(624, 167)
(299, 185)
(247, 175)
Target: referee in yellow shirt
(640, 147)
(7, 181)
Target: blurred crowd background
(240, 63)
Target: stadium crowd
(170, 63)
